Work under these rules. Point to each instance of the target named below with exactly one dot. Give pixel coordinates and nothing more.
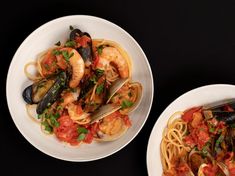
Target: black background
(188, 44)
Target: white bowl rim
(151, 137)
(41, 27)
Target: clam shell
(137, 101)
(115, 87)
(103, 111)
(105, 137)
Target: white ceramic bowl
(195, 97)
(46, 36)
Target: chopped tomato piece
(127, 121)
(83, 40)
(67, 131)
(210, 170)
(188, 114)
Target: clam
(103, 111)
(111, 128)
(128, 98)
(222, 169)
(116, 86)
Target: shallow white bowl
(196, 97)
(46, 36)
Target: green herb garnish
(93, 79)
(100, 49)
(81, 137)
(82, 130)
(47, 127)
(99, 72)
(66, 55)
(126, 104)
(56, 52)
(100, 88)
(70, 43)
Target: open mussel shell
(103, 111)
(216, 106)
(116, 86)
(35, 92)
(53, 93)
(86, 50)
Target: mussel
(45, 92)
(222, 111)
(35, 92)
(84, 46)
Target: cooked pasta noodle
(172, 145)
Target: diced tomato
(67, 131)
(182, 169)
(83, 40)
(96, 60)
(229, 161)
(198, 136)
(61, 62)
(48, 64)
(89, 138)
(79, 109)
(127, 120)
(188, 114)
(210, 170)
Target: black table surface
(188, 44)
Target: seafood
(78, 68)
(35, 92)
(111, 127)
(222, 111)
(53, 93)
(82, 90)
(83, 44)
(111, 55)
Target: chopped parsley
(93, 79)
(81, 137)
(70, 43)
(126, 104)
(56, 52)
(66, 55)
(100, 89)
(99, 72)
(47, 126)
(82, 130)
(100, 49)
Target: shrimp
(68, 98)
(78, 68)
(112, 55)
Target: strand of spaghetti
(29, 75)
